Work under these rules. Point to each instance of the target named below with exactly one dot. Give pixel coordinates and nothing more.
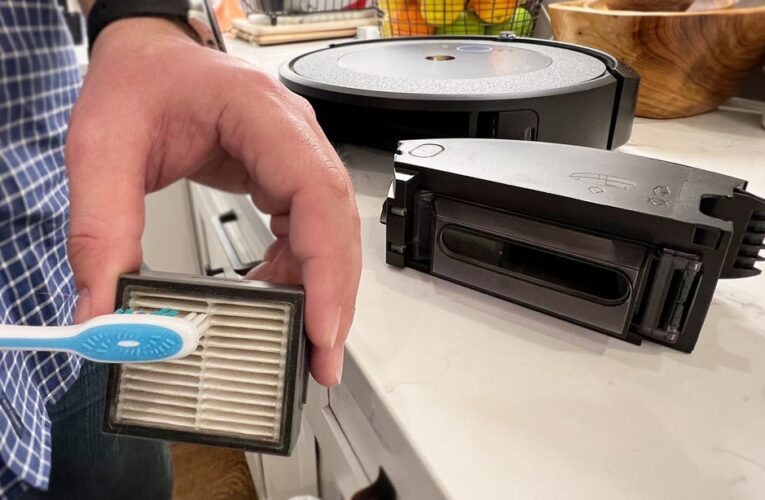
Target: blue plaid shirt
(39, 82)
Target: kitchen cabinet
(226, 245)
(169, 233)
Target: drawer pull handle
(233, 242)
(381, 489)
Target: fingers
(276, 248)
(278, 266)
(299, 173)
(106, 185)
(324, 238)
(226, 174)
(327, 365)
(280, 225)
(346, 319)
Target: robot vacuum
(378, 92)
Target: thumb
(106, 192)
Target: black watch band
(105, 12)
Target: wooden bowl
(695, 5)
(649, 5)
(689, 62)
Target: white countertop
(499, 401)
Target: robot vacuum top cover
(484, 69)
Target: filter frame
(295, 369)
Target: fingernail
(339, 372)
(82, 308)
(334, 327)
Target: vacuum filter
(381, 91)
(629, 246)
(243, 387)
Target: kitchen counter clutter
(455, 394)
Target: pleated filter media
(243, 386)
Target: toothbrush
(122, 337)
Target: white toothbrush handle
(8, 332)
(142, 328)
(64, 332)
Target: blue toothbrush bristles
(165, 311)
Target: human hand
(156, 107)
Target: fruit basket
(457, 17)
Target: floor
(207, 473)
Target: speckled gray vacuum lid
(446, 67)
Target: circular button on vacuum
(474, 48)
(426, 150)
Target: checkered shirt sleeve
(39, 82)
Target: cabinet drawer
(231, 235)
(340, 474)
(381, 448)
(283, 478)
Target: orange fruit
(405, 22)
(493, 11)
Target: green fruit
(521, 22)
(467, 24)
